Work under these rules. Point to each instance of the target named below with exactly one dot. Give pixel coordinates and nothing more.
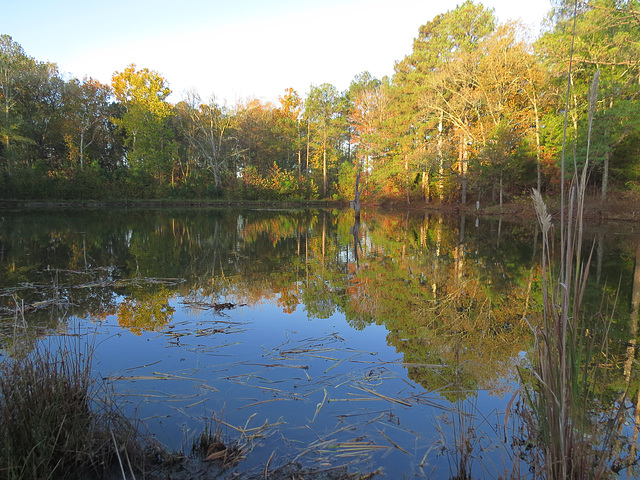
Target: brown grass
(57, 420)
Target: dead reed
(210, 445)
(57, 420)
(570, 444)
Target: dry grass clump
(209, 445)
(56, 420)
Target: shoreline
(619, 206)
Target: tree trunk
(324, 234)
(299, 152)
(355, 231)
(605, 176)
(7, 99)
(324, 164)
(538, 159)
(463, 166)
(357, 193)
(600, 256)
(308, 143)
(635, 310)
(501, 190)
(406, 176)
(216, 179)
(425, 185)
(440, 161)
(81, 150)
(458, 251)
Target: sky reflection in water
(328, 357)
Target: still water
(377, 344)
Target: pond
(377, 344)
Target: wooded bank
(473, 113)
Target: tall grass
(57, 420)
(570, 444)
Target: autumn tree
(87, 119)
(41, 95)
(209, 128)
(426, 99)
(507, 104)
(31, 107)
(607, 38)
(13, 63)
(257, 138)
(324, 113)
(50, 127)
(366, 112)
(149, 140)
(449, 102)
(289, 129)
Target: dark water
(378, 345)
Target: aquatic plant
(569, 444)
(58, 421)
(210, 445)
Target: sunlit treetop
(143, 87)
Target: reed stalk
(569, 445)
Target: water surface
(378, 344)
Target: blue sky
(233, 49)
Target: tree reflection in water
(455, 300)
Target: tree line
(474, 112)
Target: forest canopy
(474, 112)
